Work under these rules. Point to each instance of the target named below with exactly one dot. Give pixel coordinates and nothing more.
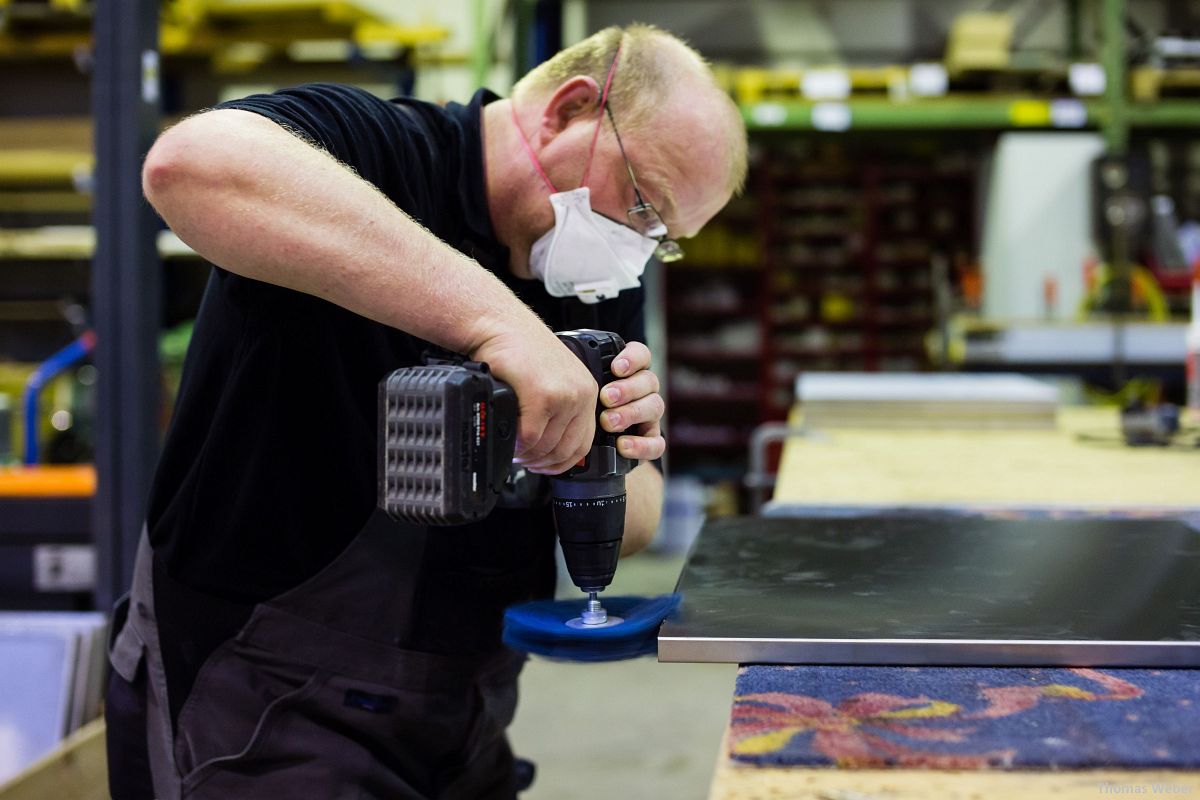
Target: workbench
(1080, 465)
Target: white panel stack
(52, 668)
(959, 401)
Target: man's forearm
(643, 507)
(258, 201)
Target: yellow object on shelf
(1029, 113)
(210, 27)
(1146, 293)
(43, 167)
(41, 202)
(1147, 83)
(751, 85)
(67, 242)
(979, 40)
(837, 307)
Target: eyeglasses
(643, 217)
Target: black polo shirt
(268, 468)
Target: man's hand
(556, 394)
(634, 403)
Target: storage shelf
(743, 310)
(50, 168)
(72, 243)
(959, 113)
(718, 356)
(218, 27)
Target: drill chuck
(590, 519)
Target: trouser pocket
(240, 701)
(257, 726)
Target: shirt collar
(472, 180)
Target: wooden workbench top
(1082, 463)
(736, 782)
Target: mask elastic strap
(612, 70)
(529, 150)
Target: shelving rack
(61, 172)
(825, 295)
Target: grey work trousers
(314, 699)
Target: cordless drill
(447, 438)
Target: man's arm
(260, 202)
(643, 507)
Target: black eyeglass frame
(643, 216)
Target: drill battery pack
(448, 432)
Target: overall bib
(316, 698)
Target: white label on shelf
(825, 84)
(771, 114)
(1068, 114)
(928, 80)
(1086, 80)
(149, 76)
(831, 116)
(1177, 47)
(64, 568)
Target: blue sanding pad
(541, 628)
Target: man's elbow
(166, 165)
(183, 157)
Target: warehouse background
(924, 196)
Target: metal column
(1116, 124)
(126, 284)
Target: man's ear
(576, 96)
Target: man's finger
(536, 435)
(646, 409)
(573, 446)
(642, 448)
(636, 356)
(637, 385)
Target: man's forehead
(696, 185)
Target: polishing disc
(583, 626)
(546, 628)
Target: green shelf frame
(966, 114)
(1113, 114)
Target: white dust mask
(587, 254)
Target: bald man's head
(661, 90)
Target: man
(284, 639)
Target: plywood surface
(1081, 463)
(76, 771)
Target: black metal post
(126, 284)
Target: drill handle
(597, 349)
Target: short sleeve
(373, 136)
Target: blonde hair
(642, 82)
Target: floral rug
(966, 717)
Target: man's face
(680, 170)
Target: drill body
(447, 438)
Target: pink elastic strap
(612, 70)
(529, 150)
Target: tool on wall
(447, 438)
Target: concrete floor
(634, 730)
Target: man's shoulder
(335, 103)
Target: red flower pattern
(852, 733)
